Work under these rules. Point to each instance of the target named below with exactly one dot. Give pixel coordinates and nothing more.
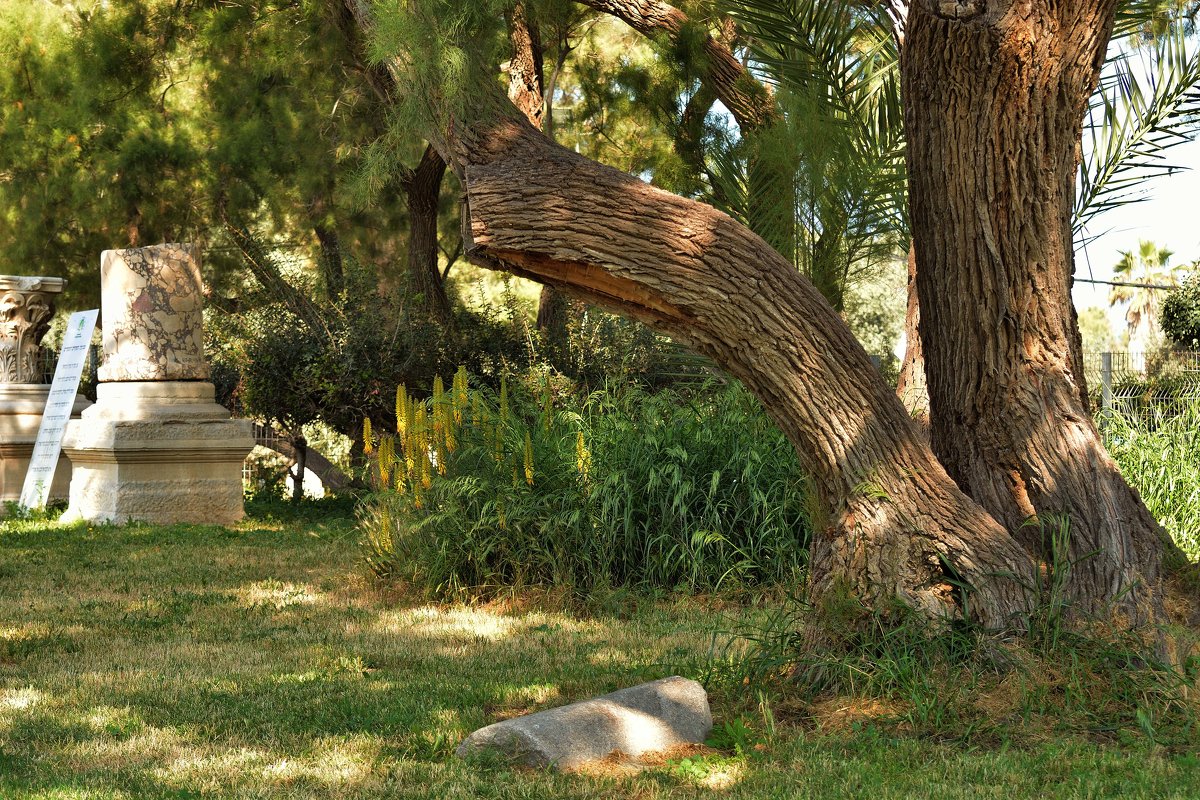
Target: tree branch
(744, 95)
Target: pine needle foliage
(479, 492)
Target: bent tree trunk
(895, 525)
(995, 95)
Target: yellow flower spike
(384, 536)
(439, 427)
(583, 458)
(439, 389)
(385, 460)
(528, 459)
(516, 477)
(460, 394)
(368, 445)
(401, 483)
(410, 412)
(426, 472)
(410, 457)
(401, 410)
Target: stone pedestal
(26, 308)
(21, 407)
(156, 446)
(157, 451)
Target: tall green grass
(638, 490)
(1161, 459)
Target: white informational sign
(76, 343)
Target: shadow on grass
(144, 661)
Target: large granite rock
(651, 717)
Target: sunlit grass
(261, 662)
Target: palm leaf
(1147, 103)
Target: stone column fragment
(151, 305)
(156, 446)
(26, 308)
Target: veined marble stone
(151, 301)
(157, 451)
(26, 308)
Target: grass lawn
(261, 662)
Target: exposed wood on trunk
(995, 96)
(911, 387)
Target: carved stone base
(157, 451)
(21, 407)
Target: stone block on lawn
(650, 717)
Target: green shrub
(1181, 314)
(1161, 459)
(533, 486)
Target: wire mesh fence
(1146, 386)
(87, 383)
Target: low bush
(480, 491)
(1161, 459)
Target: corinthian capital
(26, 308)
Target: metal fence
(1150, 386)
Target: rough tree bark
(995, 94)
(422, 187)
(526, 90)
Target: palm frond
(1147, 103)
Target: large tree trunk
(895, 525)
(995, 95)
(423, 187)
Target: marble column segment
(151, 307)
